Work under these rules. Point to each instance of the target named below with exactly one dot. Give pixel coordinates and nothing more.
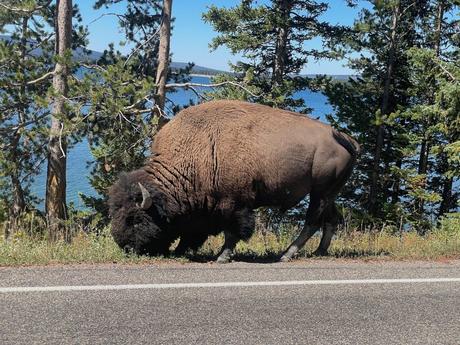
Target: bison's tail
(353, 149)
(350, 144)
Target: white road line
(223, 284)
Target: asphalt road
(305, 302)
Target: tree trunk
(163, 61)
(439, 22)
(18, 206)
(396, 185)
(19, 203)
(55, 203)
(384, 111)
(279, 64)
(422, 169)
(423, 159)
(446, 203)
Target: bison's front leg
(228, 248)
(240, 227)
(191, 242)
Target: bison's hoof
(320, 252)
(223, 259)
(285, 258)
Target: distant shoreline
(202, 75)
(339, 77)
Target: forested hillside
(402, 103)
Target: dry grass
(355, 244)
(443, 242)
(85, 248)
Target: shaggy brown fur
(216, 162)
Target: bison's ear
(146, 198)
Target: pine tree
(448, 100)
(401, 108)
(370, 105)
(447, 57)
(25, 70)
(122, 94)
(271, 39)
(27, 67)
(432, 129)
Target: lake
(79, 156)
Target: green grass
(29, 248)
(23, 250)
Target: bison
(216, 162)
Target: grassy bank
(443, 242)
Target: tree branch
(451, 76)
(135, 104)
(43, 77)
(23, 10)
(60, 140)
(35, 81)
(119, 16)
(93, 66)
(9, 129)
(42, 42)
(190, 85)
(143, 44)
(35, 168)
(195, 91)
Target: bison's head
(137, 210)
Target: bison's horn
(146, 198)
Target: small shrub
(450, 224)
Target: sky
(191, 35)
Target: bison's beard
(137, 232)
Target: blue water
(79, 155)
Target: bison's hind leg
(312, 224)
(331, 219)
(239, 227)
(322, 214)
